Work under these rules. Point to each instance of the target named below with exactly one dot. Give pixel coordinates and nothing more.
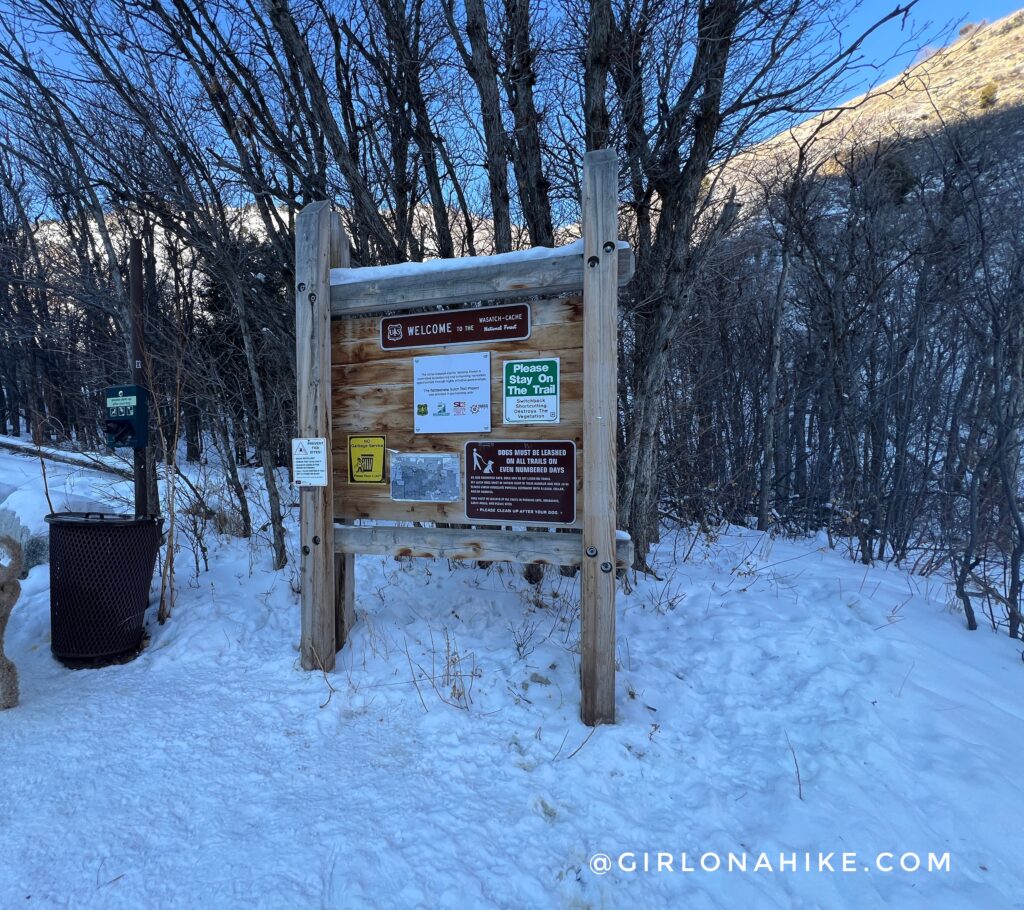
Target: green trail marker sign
(531, 391)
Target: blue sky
(937, 20)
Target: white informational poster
(452, 393)
(309, 462)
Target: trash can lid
(94, 518)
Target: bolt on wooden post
(600, 324)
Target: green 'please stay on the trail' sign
(531, 391)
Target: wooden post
(600, 353)
(313, 251)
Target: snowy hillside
(443, 764)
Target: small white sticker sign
(452, 393)
(309, 462)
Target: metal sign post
(138, 373)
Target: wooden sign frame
(329, 541)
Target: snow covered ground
(448, 767)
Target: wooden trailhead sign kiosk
(470, 404)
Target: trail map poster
(424, 478)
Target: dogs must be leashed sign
(521, 482)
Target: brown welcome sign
(487, 324)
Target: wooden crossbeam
(558, 549)
(406, 286)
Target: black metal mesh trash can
(101, 567)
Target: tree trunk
(367, 211)
(479, 61)
(771, 392)
(595, 77)
(526, 157)
(220, 425)
(266, 455)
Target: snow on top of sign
(404, 269)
